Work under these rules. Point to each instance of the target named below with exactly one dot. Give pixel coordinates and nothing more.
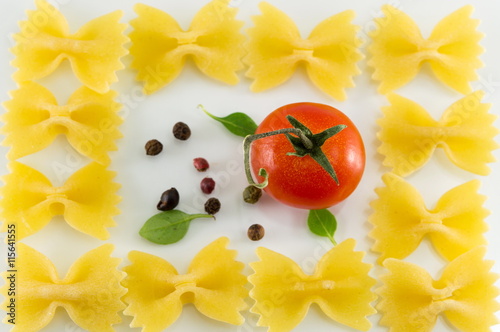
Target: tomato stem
(247, 142)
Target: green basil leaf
(322, 223)
(169, 226)
(237, 123)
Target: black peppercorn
(169, 200)
(212, 206)
(207, 185)
(181, 131)
(255, 232)
(252, 194)
(153, 147)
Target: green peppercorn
(252, 194)
(255, 232)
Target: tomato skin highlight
(300, 181)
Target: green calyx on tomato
(305, 143)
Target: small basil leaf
(169, 226)
(237, 123)
(322, 223)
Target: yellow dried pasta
(340, 286)
(90, 293)
(160, 47)
(330, 53)
(398, 50)
(87, 200)
(401, 220)
(89, 121)
(45, 41)
(465, 294)
(409, 135)
(214, 284)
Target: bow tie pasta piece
(330, 53)
(398, 50)
(465, 294)
(401, 220)
(45, 41)
(465, 131)
(340, 286)
(214, 284)
(90, 293)
(90, 122)
(160, 47)
(87, 200)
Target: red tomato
(300, 181)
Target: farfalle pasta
(409, 135)
(398, 50)
(330, 53)
(89, 121)
(45, 41)
(87, 200)
(160, 47)
(340, 286)
(401, 219)
(157, 292)
(411, 300)
(90, 293)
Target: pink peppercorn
(207, 185)
(201, 164)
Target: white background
(144, 178)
